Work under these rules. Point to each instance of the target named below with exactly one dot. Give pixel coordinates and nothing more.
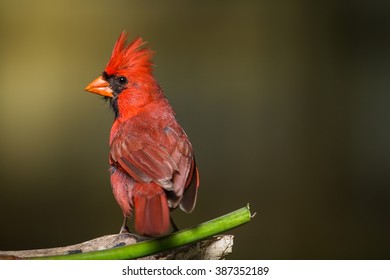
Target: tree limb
(200, 242)
(214, 248)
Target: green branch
(176, 239)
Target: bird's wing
(165, 158)
(144, 161)
(186, 181)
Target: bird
(152, 163)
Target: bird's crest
(133, 57)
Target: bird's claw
(124, 230)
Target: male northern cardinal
(152, 164)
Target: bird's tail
(151, 210)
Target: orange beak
(101, 87)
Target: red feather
(151, 210)
(132, 58)
(152, 163)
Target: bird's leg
(124, 228)
(174, 226)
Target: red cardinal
(152, 164)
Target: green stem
(176, 239)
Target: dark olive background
(287, 105)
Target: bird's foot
(124, 230)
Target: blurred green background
(287, 105)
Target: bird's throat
(114, 106)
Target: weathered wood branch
(214, 248)
(202, 241)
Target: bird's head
(127, 81)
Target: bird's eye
(122, 80)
